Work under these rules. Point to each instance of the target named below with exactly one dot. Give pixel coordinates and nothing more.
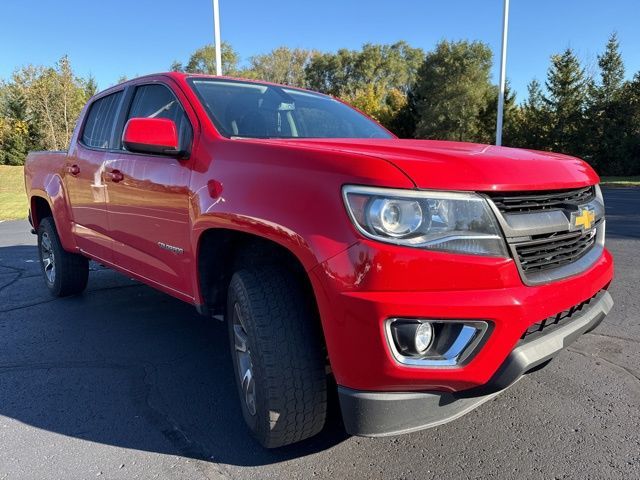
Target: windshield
(253, 110)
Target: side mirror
(157, 136)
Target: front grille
(561, 318)
(554, 250)
(527, 202)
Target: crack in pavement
(11, 282)
(627, 370)
(9, 367)
(162, 421)
(20, 272)
(13, 268)
(175, 433)
(17, 367)
(617, 337)
(35, 304)
(13, 309)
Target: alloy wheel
(244, 363)
(48, 258)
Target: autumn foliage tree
(39, 108)
(203, 60)
(282, 65)
(375, 79)
(445, 93)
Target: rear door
(148, 207)
(84, 180)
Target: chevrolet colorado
(420, 277)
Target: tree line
(444, 93)
(39, 107)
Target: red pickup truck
(420, 277)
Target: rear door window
(98, 128)
(158, 101)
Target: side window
(157, 101)
(99, 124)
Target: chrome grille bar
(541, 235)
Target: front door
(148, 204)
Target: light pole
(503, 71)
(216, 36)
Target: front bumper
(368, 413)
(359, 289)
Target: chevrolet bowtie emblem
(584, 219)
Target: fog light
(434, 343)
(424, 337)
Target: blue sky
(114, 38)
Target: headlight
(450, 221)
(599, 193)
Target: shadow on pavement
(127, 366)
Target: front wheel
(277, 356)
(64, 273)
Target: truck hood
(445, 165)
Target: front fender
(288, 194)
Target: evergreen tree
(90, 87)
(611, 70)
(16, 136)
(531, 128)
(608, 114)
(566, 101)
(488, 117)
(630, 98)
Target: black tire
(64, 273)
(285, 354)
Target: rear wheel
(277, 356)
(64, 273)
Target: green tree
(332, 73)
(611, 70)
(531, 130)
(90, 86)
(566, 101)
(70, 94)
(452, 91)
(608, 114)
(489, 113)
(203, 60)
(630, 98)
(346, 71)
(15, 135)
(55, 97)
(375, 79)
(282, 65)
(39, 109)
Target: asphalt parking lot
(126, 382)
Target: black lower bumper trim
(374, 414)
(379, 414)
(530, 355)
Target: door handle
(116, 176)
(73, 169)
